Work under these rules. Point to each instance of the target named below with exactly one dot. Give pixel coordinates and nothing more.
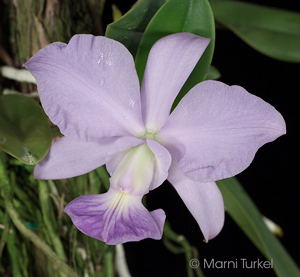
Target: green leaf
(244, 212)
(24, 129)
(273, 32)
(116, 13)
(213, 73)
(193, 16)
(130, 28)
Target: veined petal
(69, 158)
(115, 217)
(170, 62)
(204, 201)
(89, 88)
(216, 130)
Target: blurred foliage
(273, 32)
(24, 130)
(40, 205)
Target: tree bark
(35, 23)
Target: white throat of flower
(135, 172)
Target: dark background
(271, 180)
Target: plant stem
(5, 233)
(37, 241)
(120, 261)
(109, 266)
(49, 219)
(183, 242)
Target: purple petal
(69, 158)
(162, 163)
(204, 201)
(170, 62)
(115, 217)
(89, 88)
(216, 130)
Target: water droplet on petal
(131, 103)
(109, 60)
(101, 56)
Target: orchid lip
(135, 172)
(115, 217)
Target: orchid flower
(90, 89)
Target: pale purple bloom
(90, 90)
